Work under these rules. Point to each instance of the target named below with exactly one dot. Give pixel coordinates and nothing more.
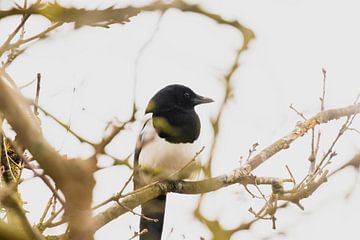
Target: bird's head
(175, 96)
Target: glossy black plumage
(174, 106)
(174, 127)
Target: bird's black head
(175, 96)
(174, 117)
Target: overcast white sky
(294, 41)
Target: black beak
(200, 100)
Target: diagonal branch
(239, 175)
(300, 129)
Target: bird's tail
(154, 209)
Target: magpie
(166, 148)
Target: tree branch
(104, 17)
(74, 178)
(239, 175)
(9, 199)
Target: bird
(166, 148)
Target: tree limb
(239, 175)
(74, 178)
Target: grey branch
(239, 175)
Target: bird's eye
(186, 95)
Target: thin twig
(142, 50)
(36, 111)
(251, 194)
(41, 176)
(137, 234)
(27, 84)
(116, 196)
(35, 37)
(297, 112)
(6, 45)
(252, 150)
(48, 222)
(8, 199)
(137, 214)
(46, 210)
(66, 127)
(172, 176)
(290, 173)
(342, 130)
(322, 99)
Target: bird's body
(161, 159)
(166, 148)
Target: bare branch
(24, 122)
(239, 175)
(9, 199)
(38, 86)
(322, 98)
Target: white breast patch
(160, 159)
